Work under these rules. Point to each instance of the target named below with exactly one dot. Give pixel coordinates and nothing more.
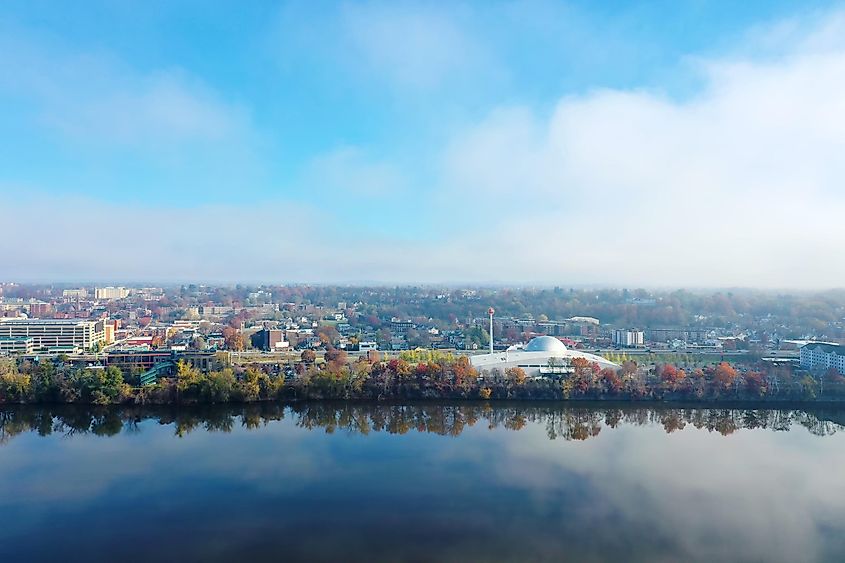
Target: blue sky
(612, 143)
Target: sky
(697, 144)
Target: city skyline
(505, 143)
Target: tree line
(560, 422)
(416, 375)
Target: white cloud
(733, 187)
(741, 184)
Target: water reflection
(564, 422)
(446, 482)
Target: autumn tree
(233, 338)
(515, 375)
(328, 335)
(755, 383)
(610, 380)
(336, 359)
(724, 375)
(672, 375)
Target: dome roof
(545, 344)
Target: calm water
(433, 482)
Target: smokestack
(490, 312)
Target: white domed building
(543, 356)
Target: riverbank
(398, 380)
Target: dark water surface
(466, 482)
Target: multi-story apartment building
(628, 338)
(111, 293)
(822, 356)
(39, 308)
(53, 334)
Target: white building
(543, 356)
(584, 320)
(80, 293)
(16, 345)
(110, 292)
(628, 338)
(822, 356)
(49, 334)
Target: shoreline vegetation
(564, 421)
(426, 375)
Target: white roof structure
(542, 356)
(545, 344)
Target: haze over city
(667, 144)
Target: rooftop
(45, 321)
(825, 347)
(545, 344)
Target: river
(421, 482)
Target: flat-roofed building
(270, 339)
(80, 293)
(16, 345)
(628, 338)
(109, 328)
(39, 308)
(111, 292)
(55, 333)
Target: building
(543, 356)
(400, 327)
(628, 338)
(16, 345)
(681, 333)
(56, 334)
(107, 293)
(270, 339)
(584, 320)
(39, 309)
(109, 329)
(367, 345)
(819, 356)
(80, 293)
(146, 359)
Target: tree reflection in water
(564, 422)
